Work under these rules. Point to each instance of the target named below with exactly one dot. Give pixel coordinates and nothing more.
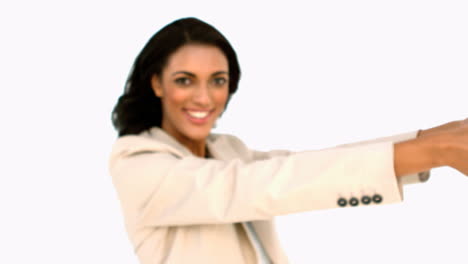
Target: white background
(315, 74)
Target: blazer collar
(217, 144)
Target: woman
(190, 196)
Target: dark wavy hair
(138, 108)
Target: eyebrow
(193, 75)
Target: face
(193, 88)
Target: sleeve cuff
(415, 178)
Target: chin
(198, 134)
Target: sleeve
(406, 179)
(161, 189)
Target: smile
(198, 114)
(199, 117)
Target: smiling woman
(138, 109)
(192, 196)
(193, 89)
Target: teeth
(198, 114)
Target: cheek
(221, 97)
(175, 97)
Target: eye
(183, 81)
(219, 81)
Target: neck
(197, 147)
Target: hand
(442, 128)
(445, 145)
(456, 146)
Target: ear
(156, 85)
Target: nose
(202, 95)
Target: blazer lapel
(267, 235)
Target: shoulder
(152, 140)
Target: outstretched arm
(158, 188)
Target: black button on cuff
(366, 200)
(353, 201)
(342, 202)
(377, 198)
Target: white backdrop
(315, 74)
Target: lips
(198, 117)
(198, 114)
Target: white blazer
(179, 208)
